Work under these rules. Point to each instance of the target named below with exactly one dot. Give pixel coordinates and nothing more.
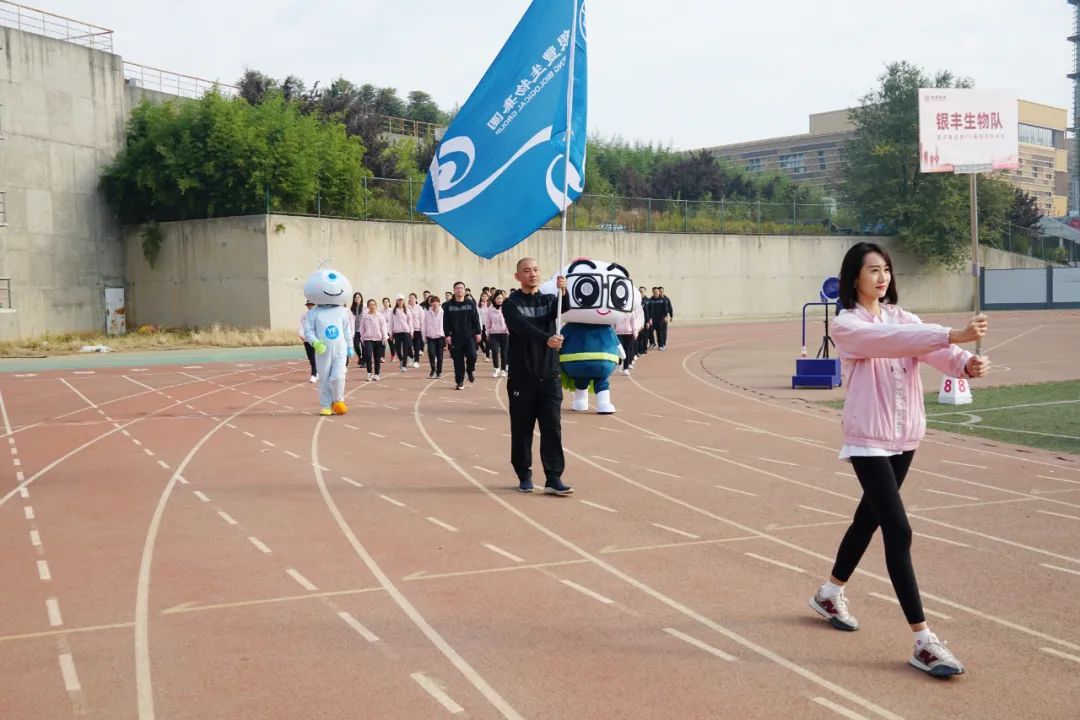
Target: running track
(191, 542)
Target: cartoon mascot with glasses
(598, 294)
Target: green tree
(215, 156)
(423, 108)
(929, 211)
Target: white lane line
(28, 511)
(839, 709)
(604, 459)
(268, 443)
(941, 539)
(291, 454)
(358, 627)
(352, 482)
(227, 518)
(125, 433)
(35, 538)
(199, 494)
(17, 462)
(587, 591)
(408, 445)
(762, 558)
(189, 407)
(824, 512)
(661, 472)
(605, 429)
(163, 464)
(136, 441)
(484, 469)
(392, 501)
(477, 428)
(505, 554)
(43, 570)
(19, 477)
(148, 451)
(14, 450)
(259, 544)
(779, 462)
(949, 494)
(894, 601)
(712, 449)
(83, 372)
(953, 462)
(304, 582)
(231, 426)
(677, 532)
(52, 606)
(598, 506)
(182, 480)
(1058, 653)
(351, 427)
(440, 523)
(24, 493)
(436, 692)
(700, 645)
(844, 474)
(1065, 480)
(67, 669)
(750, 430)
(1059, 569)
(377, 435)
(444, 420)
(250, 435)
(191, 367)
(696, 422)
(1060, 515)
(735, 490)
(655, 415)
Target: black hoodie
(530, 318)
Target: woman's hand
(978, 366)
(975, 330)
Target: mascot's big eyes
(620, 294)
(586, 292)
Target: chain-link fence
(1033, 242)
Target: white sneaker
(415, 364)
(934, 658)
(377, 377)
(314, 379)
(369, 377)
(497, 373)
(626, 371)
(835, 610)
(504, 373)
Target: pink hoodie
(416, 314)
(401, 322)
(433, 324)
(884, 405)
(631, 324)
(495, 322)
(373, 327)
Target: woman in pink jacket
(373, 333)
(401, 324)
(881, 347)
(434, 336)
(498, 334)
(416, 313)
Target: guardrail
(55, 26)
(173, 83)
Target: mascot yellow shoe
(326, 411)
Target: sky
(683, 73)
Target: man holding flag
(512, 159)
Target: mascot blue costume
(599, 293)
(328, 327)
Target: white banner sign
(967, 130)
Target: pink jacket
(884, 404)
(373, 327)
(433, 324)
(631, 324)
(416, 314)
(494, 321)
(401, 322)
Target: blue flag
(501, 168)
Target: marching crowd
(416, 327)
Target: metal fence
(166, 81)
(413, 128)
(395, 200)
(51, 25)
(1035, 243)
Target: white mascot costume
(328, 327)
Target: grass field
(150, 338)
(1044, 416)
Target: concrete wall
(63, 122)
(708, 277)
(208, 271)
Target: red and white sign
(967, 130)
(954, 391)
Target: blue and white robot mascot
(328, 327)
(598, 294)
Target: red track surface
(196, 543)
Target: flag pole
(566, 170)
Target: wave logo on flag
(499, 173)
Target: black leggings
(881, 478)
(403, 347)
(310, 356)
(435, 349)
(373, 354)
(500, 346)
(358, 346)
(629, 347)
(417, 345)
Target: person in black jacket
(664, 312)
(534, 384)
(461, 324)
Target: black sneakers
(556, 487)
(472, 376)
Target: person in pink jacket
(881, 347)
(627, 328)
(387, 312)
(401, 324)
(373, 333)
(416, 314)
(498, 334)
(434, 336)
